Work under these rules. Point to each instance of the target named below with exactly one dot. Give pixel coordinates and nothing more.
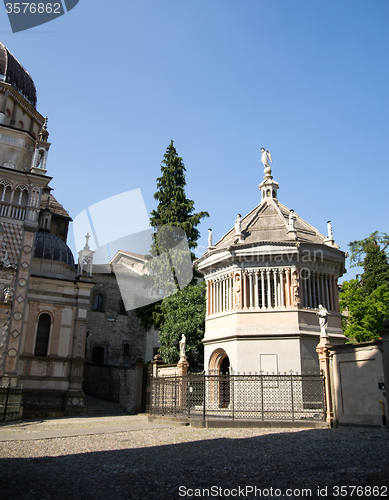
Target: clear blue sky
(306, 79)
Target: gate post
(183, 367)
(323, 352)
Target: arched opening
(98, 353)
(126, 350)
(98, 302)
(122, 308)
(42, 335)
(219, 369)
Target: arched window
(21, 195)
(6, 189)
(42, 335)
(98, 302)
(122, 308)
(98, 355)
(126, 350)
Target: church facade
(266, 278)
(44, 302)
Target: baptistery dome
(12, 72)
(50, 247)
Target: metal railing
(10, 401)
(236, 396)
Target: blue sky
(305, 79)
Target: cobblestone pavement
(170, 463)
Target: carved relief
(238, 292)
(295, 289)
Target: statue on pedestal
(330, 233)
(182, 347)
(238, 225)
(323, 320)
(209, 237)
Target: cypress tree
(376, 269)
(174, 208)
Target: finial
(45, 122)
(87, 236)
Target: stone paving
(168, 463)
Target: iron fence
(239, 396)
(10, 401)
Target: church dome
(12, 72)
(50, 247)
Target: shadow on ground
(295, 460)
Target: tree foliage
(359, 247)
(376, 268)
(169, 263)
(184, 313)
(174, 208)
(366, 300)
(365, 313)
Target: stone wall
(358, 383)
(115, 384)
(112, 328)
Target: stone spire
(268, 186)
(85, 259)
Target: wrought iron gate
(260, 397)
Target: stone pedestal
(183, 367)
(156, 361)
(323, 352)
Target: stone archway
(219, 369)
(219, 361)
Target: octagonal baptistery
(265, 280)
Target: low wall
(358, 383)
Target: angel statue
(266, 156)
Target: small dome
(12, 72)
(50, 247)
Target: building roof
(268, 222)
(12, 72)
(50, 247)
(49, 202)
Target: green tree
(358, 248)
(174, 208)
(376, 268)
(173, 219)
(184, 313)
(365, 313)
(366, 300)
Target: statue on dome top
(265, 157)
